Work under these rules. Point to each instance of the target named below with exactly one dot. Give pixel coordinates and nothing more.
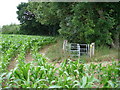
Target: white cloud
(8, 10)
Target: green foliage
(71, 74)
(10, 29)
(80, 22)
(41, 74)
(29, 24)
(11, 45)
(46, 14)
(102, 31)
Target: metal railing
(78, 50)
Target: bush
(10, 29)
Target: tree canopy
(10, 29)
(80, 22)
(30, 25)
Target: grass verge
(102, 53)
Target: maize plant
(41, 74)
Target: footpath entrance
(78, 50)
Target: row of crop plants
(70, 74)
(12, 45)
(18, 45)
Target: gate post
(92, 49)
(65, 44)
(88, 50)
(78, 49)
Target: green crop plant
(41, 74)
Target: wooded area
(79, 22)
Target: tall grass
(55, 53)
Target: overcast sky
(8, 10)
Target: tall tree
(81, 22)
(29, 24)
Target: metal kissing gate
(78, 50)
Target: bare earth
(28, 58)
(12, 64)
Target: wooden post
(78, 48)
(93, 49)
(65, 44)
(90, 50)
(86, 49)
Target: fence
(78, 50)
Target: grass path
(44, 51)
(105, 59)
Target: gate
(78, 50)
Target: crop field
(39, 73)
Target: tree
(29, 24)
(10, 29)
(80, 22)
